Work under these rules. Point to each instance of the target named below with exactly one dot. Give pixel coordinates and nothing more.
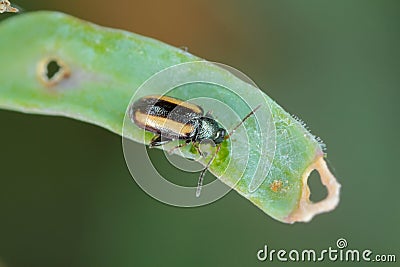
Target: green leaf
(55, 64)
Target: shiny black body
(173, 119)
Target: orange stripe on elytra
(163, 124)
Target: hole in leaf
(317, 189)
(52, 69)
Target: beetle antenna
(243, 120)
(203, 172)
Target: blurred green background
(67, 198)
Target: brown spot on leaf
(276, 185)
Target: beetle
(174, 119)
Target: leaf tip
(307, 209)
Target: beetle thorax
(207, 129)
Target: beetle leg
(178, 146)
(196, 145)
(156, 141)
